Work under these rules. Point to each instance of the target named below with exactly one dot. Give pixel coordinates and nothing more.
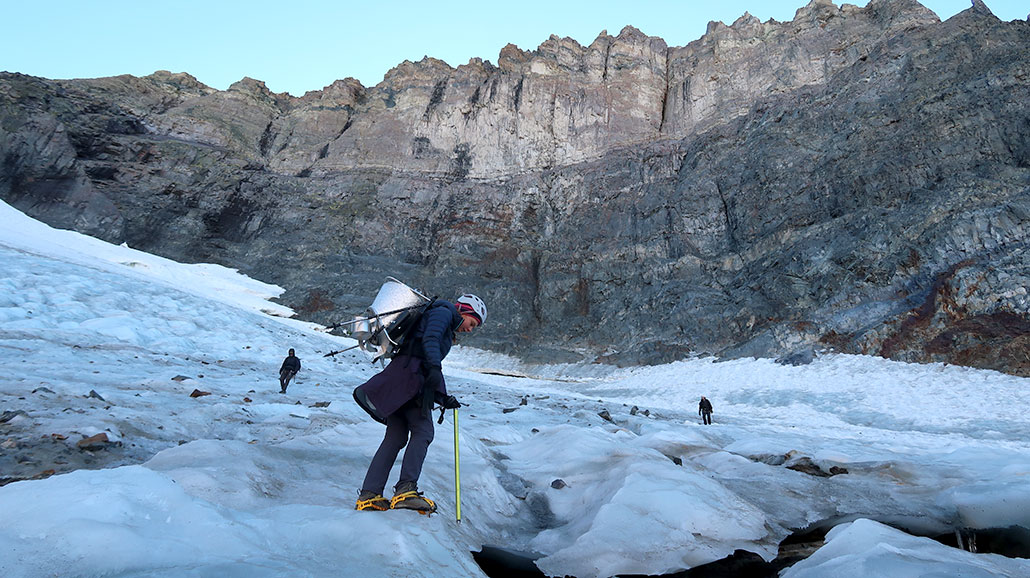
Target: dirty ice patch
(993, 504)
(614, 490)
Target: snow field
(249, 482)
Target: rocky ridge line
(855, 178)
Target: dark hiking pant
(285, 377)
(406, 420)
(707, 417)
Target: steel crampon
(402, 497)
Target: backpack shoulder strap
(409, 346)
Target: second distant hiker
(704, 409)
(289, 368)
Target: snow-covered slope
(246, 481)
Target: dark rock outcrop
(857, 178)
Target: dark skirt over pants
(391, 397)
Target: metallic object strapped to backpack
(393, 312)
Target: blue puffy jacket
(434, 333)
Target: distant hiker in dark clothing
(402, 397)
(290, 367)
(704, 409)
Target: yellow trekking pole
(457, 471)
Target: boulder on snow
(198, 393)
(800, 357)
(9, 415)
(805, 465)
(97, 442)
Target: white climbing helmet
(473, 305)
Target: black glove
(449, 402)
(434, 379)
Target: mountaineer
(402, 397)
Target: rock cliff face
(857, 178)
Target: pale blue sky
(300, 45)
